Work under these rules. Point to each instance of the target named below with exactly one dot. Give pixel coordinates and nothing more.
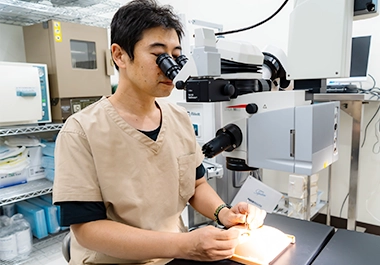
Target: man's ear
(119, 56)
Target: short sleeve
(75, 175)
(81, 212)
(200, 172)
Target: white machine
(277, 130)
(319, 45)
(260, 128)
(24, 93)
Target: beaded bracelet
(217, 211)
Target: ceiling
(90, 12)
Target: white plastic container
(23, 233)
(8, 241)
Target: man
(127, 165)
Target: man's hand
(210, 243)
(240, 213)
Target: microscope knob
(180, 84)
(228, 90)
(251, 108)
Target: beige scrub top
(143, 183)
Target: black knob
(228, 90)
(251, 108)
(180, 84)
(370, 7)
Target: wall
(11, 44)
(238, 14)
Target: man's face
(143, 73)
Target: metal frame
(352, 104)
(25, 191)
(27, 129)
(34, 188)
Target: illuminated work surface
(310, 239)
(350, 248)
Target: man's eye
(173, 56)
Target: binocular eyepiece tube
(170, 67)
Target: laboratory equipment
(277, 130)
(358, 68)
(319, 45)
(365, 9)
(78, 60)
(319, 48)
(24, 100)
(321, 36)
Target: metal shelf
(28, 12)
(26, 129)
(42, 250)
(284, 208)
(314, 211)
(25, 191)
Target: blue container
(50, 214)
(35, 216)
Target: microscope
(262, 128)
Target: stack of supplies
(48, 159)
(49, 199)
(15, 238)
(35, 216)
(33, 146)
(50, 214)
(13, 165)
(297, 193)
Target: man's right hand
(210, 243)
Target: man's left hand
(241, 213)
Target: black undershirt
(76, 212)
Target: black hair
(130, 21)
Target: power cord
(366, 127)
(376, 146)
(253, 26)
(344, 201)
(375, 91)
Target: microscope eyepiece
(168, 65)
(181, 60)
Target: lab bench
(310, 240)
(350, 248)
(316, 244)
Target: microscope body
(277, 130)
